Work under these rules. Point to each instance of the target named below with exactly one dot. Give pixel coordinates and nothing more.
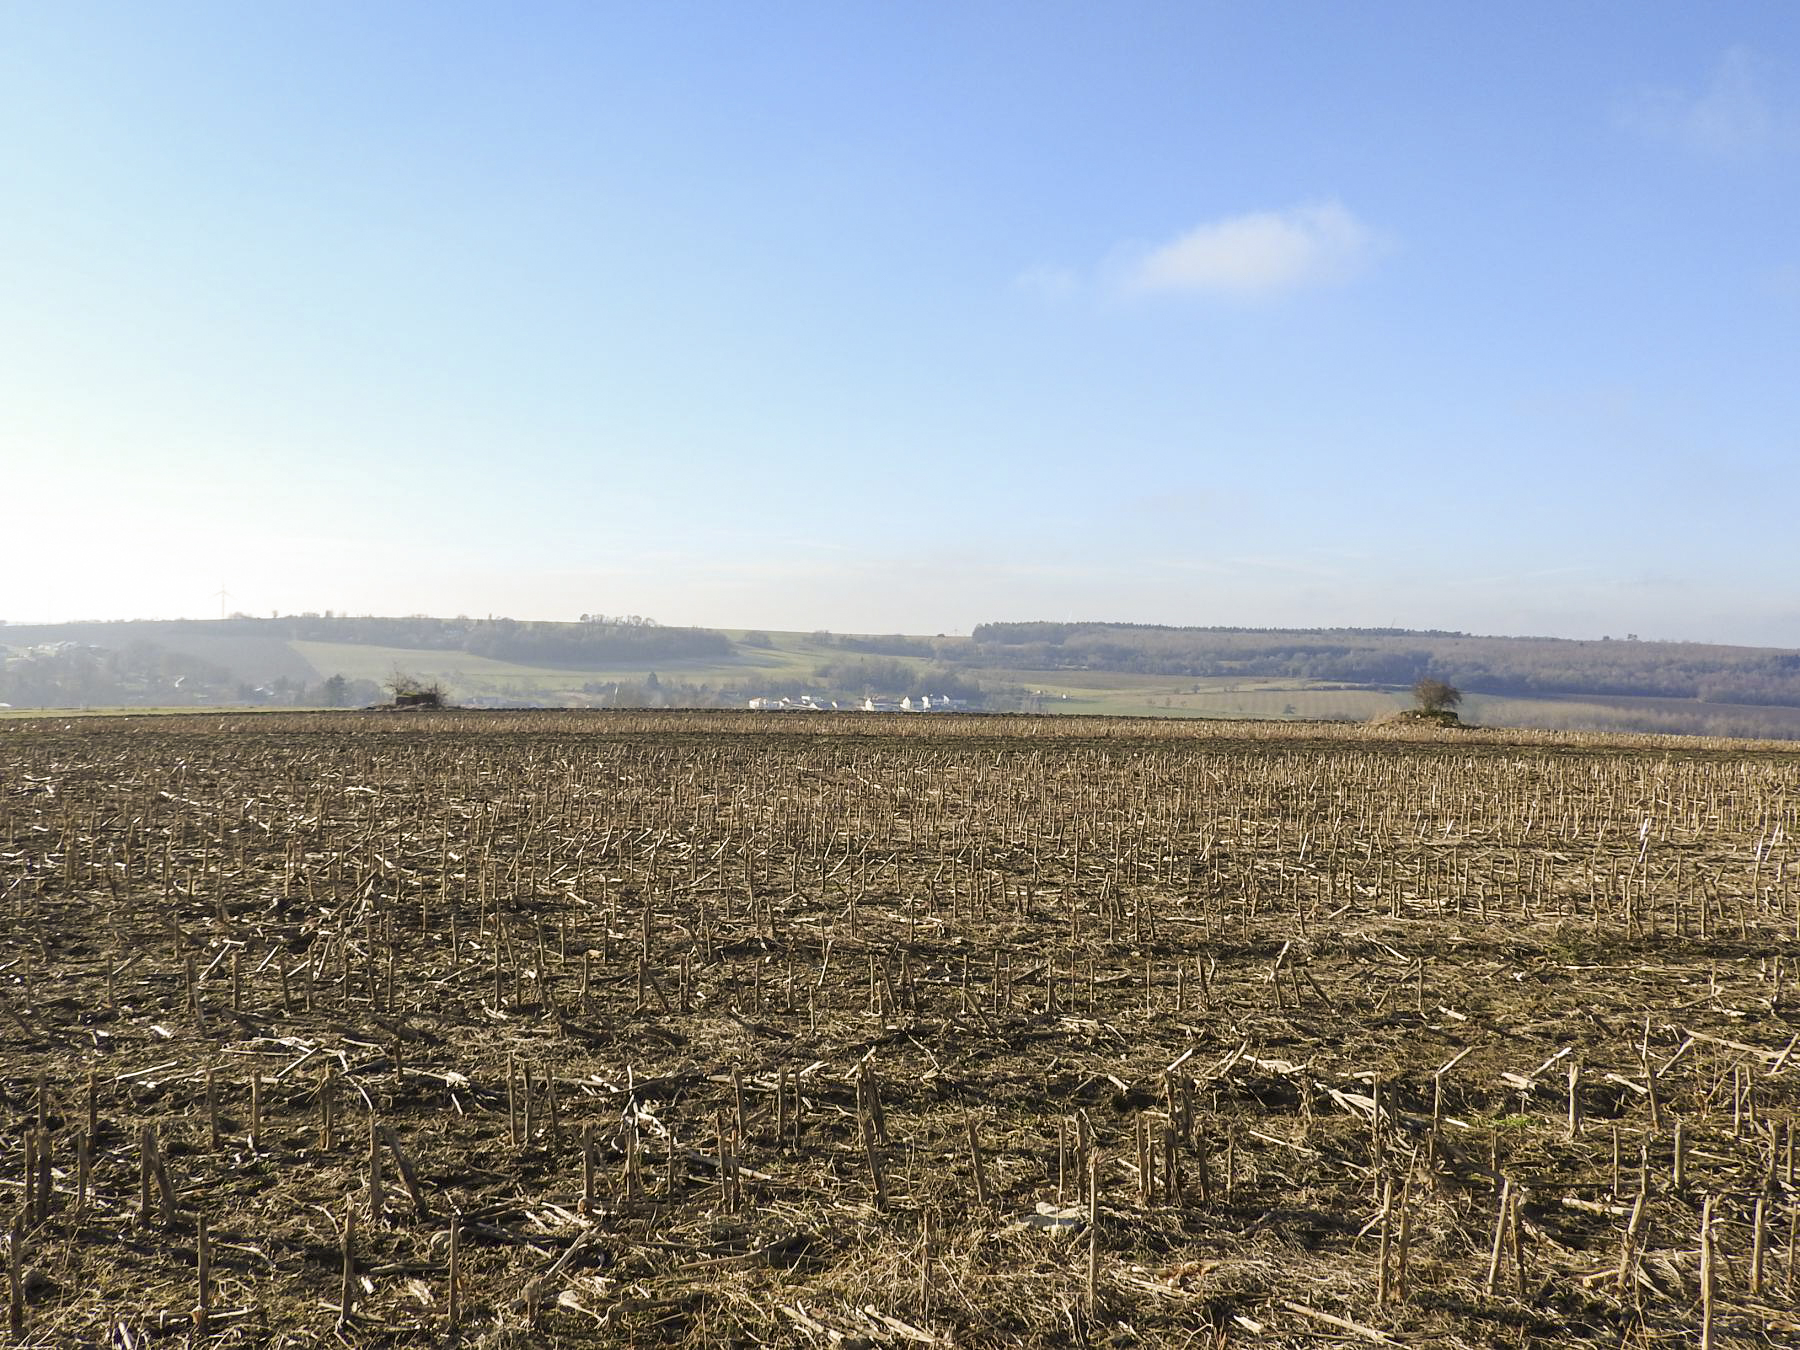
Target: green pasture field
(466, 675)
(462, 673)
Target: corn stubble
(678, 1029)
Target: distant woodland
(1488, 665)
(139, 673)
(243, 660)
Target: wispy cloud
(1048, 283)
(1748, 108)
(1259, 254)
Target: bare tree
(1436, 695)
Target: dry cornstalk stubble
(673, 1029)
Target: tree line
(143, 674)
(1489, 665)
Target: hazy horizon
(802, 629)
(905, 319)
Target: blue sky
(903, 317)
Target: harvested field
(541, 1029)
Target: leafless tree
(1436, 695)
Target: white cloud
(1262, 253)
(1747, 109)
(1251, 256)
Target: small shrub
(411, 692)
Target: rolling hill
(1330, 674)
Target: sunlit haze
(899, 318)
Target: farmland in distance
(1120, 670)
(706, 1028)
